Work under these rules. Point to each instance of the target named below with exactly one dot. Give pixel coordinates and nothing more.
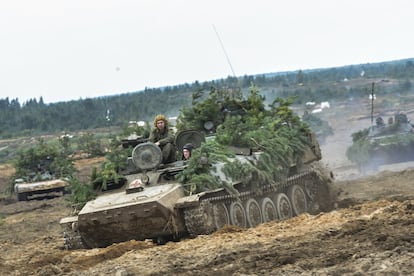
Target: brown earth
(371, 232)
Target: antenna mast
(224, 50)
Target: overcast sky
(71, 49)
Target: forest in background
(34, 117)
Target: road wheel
(237, 214)
(269, 212)
(22, 197)
(298, 199)
(253, 212)
(283, 206)
(221, 215)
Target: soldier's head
(187, 149)
(160, 122)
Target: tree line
(34, 117)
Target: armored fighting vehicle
(41, 170)
(218, 185)
(24, 190)
(383, 143)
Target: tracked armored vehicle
(25, 190)
(155, 205)
(41, 171)
(248, 165)
(383, 143)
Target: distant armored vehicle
(24, 190)
(383, 143)
(41, 169)
(41, 182)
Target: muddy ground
(370, 232)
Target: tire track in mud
(89, 258)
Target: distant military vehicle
(39, 182)
(158, 204)
(24, 190)
(383, 143)
(41, 169)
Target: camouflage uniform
(166, 139)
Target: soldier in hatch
(164, 138)
(187, 149)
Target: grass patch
(2, 218)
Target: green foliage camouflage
(32, 163)
(109, 172)
(277, 132)
(80, 194)
(197, 177)
(42, 161)
(203, 110)
(116, 159)
(100, 179)
(108, 175)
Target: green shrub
(80, 193)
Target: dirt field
(371, 232)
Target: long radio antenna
(224, 50)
